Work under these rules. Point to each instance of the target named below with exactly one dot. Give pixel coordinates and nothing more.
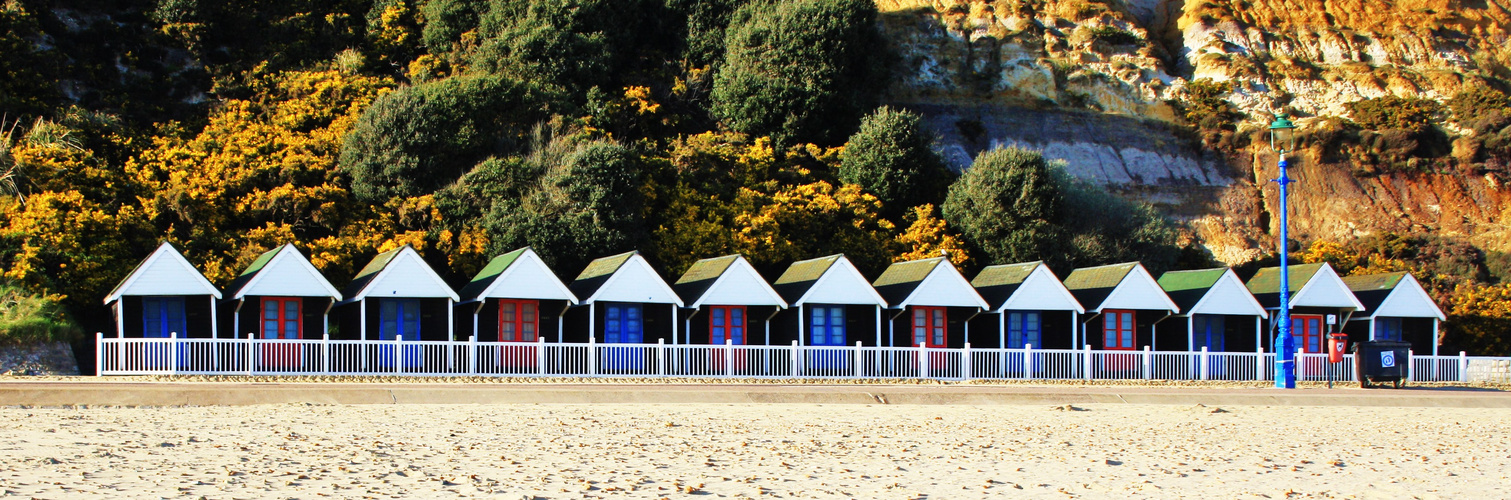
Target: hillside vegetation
(687, 129)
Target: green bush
(1390, 112)
(445, 21)
(1102, 227)
(26, 319)
(1114, 36)
(892, 157)
(1472, 107)
(575, 45)
(800, 70)
(417, 139)
(1008, 205)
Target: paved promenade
(172, 393)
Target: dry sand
(791, 451)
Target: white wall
(944, 286)
(1228, 296)
(635, 281)
(842, 284)
(289, 275)
(528, 278)
(408, 276)
(741, 285)
(1138, 291)
(1041, 291)
(1408, 300)
(168, 274)
(1325, 289)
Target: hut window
(163, 317)
(1023, 329)
(622, 324)
(1117, 330)
(1387, 329)
(828, 325)
(726, 324)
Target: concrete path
(248, 393)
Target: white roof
(1041, 291)
(944, 286)
(1138, 290)
(842, 284)
(635, 281)
(740, 284)
(1325, 289)
(527, 277)
(406, 275)
(165, 272)
(1407, 300)
(288, 274)
(1228, 296)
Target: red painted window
(1306, 331)
(281, 319)
(929, 326)
(726, 324)
(1117, 330)
(518, 320)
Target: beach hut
(165, 296)
(1220, 314)
(1395, 308)
(1320, 303)
(931, 299)
(286, 297)
(628, 303)
(400, 294)
(1127, 300)
(513, 299)
(724, 297)
(1027, 306)
(831, 305)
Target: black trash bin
(1378, 361)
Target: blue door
(623, 324)
(826, 328)
(1387, 329)
(1023, 329)
(1208, 332)
(399, 318)
(161, 318)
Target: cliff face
(1100, 85)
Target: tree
(1102, 227)
(892, 157)
(800, 70)
(585, 207)
(418, 139)
(1008, 205)
(804, 221)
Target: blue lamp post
(1283, 140)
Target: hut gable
(727, 280)
(282, 271)
(1026, 286)
(626, 277)
(165, 272)
(1210, 291)
(1118, 286)
(1312, 285)
(927, 282)
(520, 274)
(1397, 295)
(398, 273)
(826, 280)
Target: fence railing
(253, 356)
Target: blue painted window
(1387, 328)
(163, 316)
(1208, 332)
(399, 317)
(827, 325)
(1023, 328)
(622, 324)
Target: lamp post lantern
(1283, 140)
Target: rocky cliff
(1102, 85)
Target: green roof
(251, 271)
(1092, 285)
(801, 275)
(597, 273)
(901, 278)
(702, 275)
(489, 273)
(997, 283)
(1186, 288)
(1372, 289)
(1265, 285)
(369, 272)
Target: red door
(1118, 335)
(281, 320)
(726, 324)
(1307, 335)
(929, 330)
(518, 321)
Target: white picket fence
(252, 356)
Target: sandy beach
(776, 450)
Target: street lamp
(1283, 140)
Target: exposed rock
(51, 358)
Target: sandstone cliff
(1101, 85)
